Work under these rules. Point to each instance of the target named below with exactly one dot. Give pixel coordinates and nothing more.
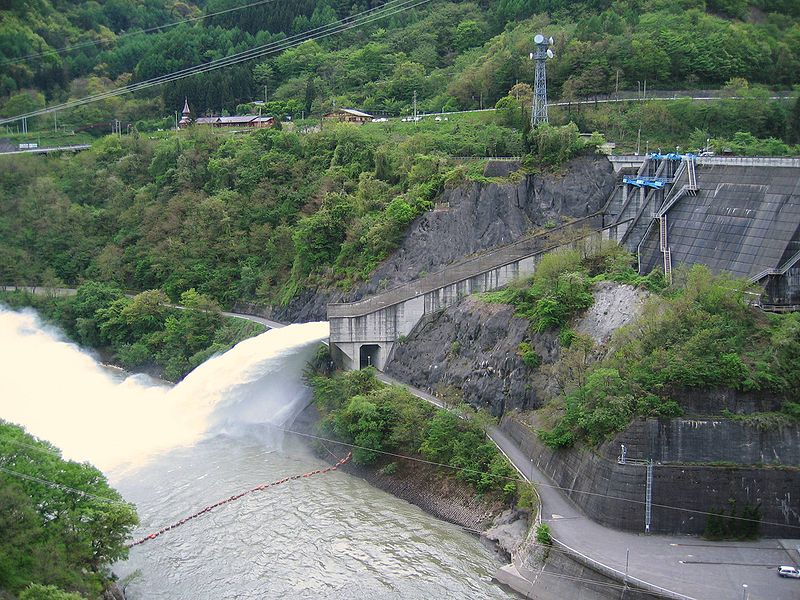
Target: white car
(792, 572)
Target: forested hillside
(455, 55)
(253, 217)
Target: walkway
(681, 567)
(47, 150)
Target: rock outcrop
(477, 217)
(472, 347)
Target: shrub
(566, 337)
(529, 356)
(389, 469)
(543, 534)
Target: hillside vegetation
(455, 55)
(56, 539)
(144, 332)
(253, 217)
(358, 409)
(699, 333)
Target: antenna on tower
(540, 55)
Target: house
(347, 115)
(239, 122)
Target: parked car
(792, 572)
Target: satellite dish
(538, 38)
(531, 56)
(549, 53)
(551, 39)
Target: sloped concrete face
(744, 220)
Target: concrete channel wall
(363, 333)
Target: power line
(129, 34)
(345, 24)
(61, 486)
(522, 480)
(31, 446)
(317, 33)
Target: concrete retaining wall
(707, 441)
(613, 494)
(380, 320)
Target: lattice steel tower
(540, 55)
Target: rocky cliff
(474, 217)
(474, 347)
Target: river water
(175, 449)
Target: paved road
(255, 319)
(689, 567)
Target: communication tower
(540, 55)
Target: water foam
(62, 394)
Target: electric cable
(61, 486)
(130, 33)
(339, 26)
(538, 483)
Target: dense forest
(454, 55)
(253, 217)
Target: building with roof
(185, 118)
(347, 115)
(239, 121)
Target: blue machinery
(657, 183)
(654, 182)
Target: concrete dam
(735, 214)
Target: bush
(360, 410)
(389, 469)
(543, 534)
(531, 359)
(704, 334)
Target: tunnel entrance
(369, 356)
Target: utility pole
(415, 106)
(265, 94)
(648, 497)
(55, 121)
(540, 55)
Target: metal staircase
(664, 246)
(691, 186)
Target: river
(175, 449)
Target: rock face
(508, 530)
(478, 216)
(614, 305)
(483, 216)
(472, 347)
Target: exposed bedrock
(472, 347)
(477, 217)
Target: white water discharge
(175, 449)
(62, 394)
